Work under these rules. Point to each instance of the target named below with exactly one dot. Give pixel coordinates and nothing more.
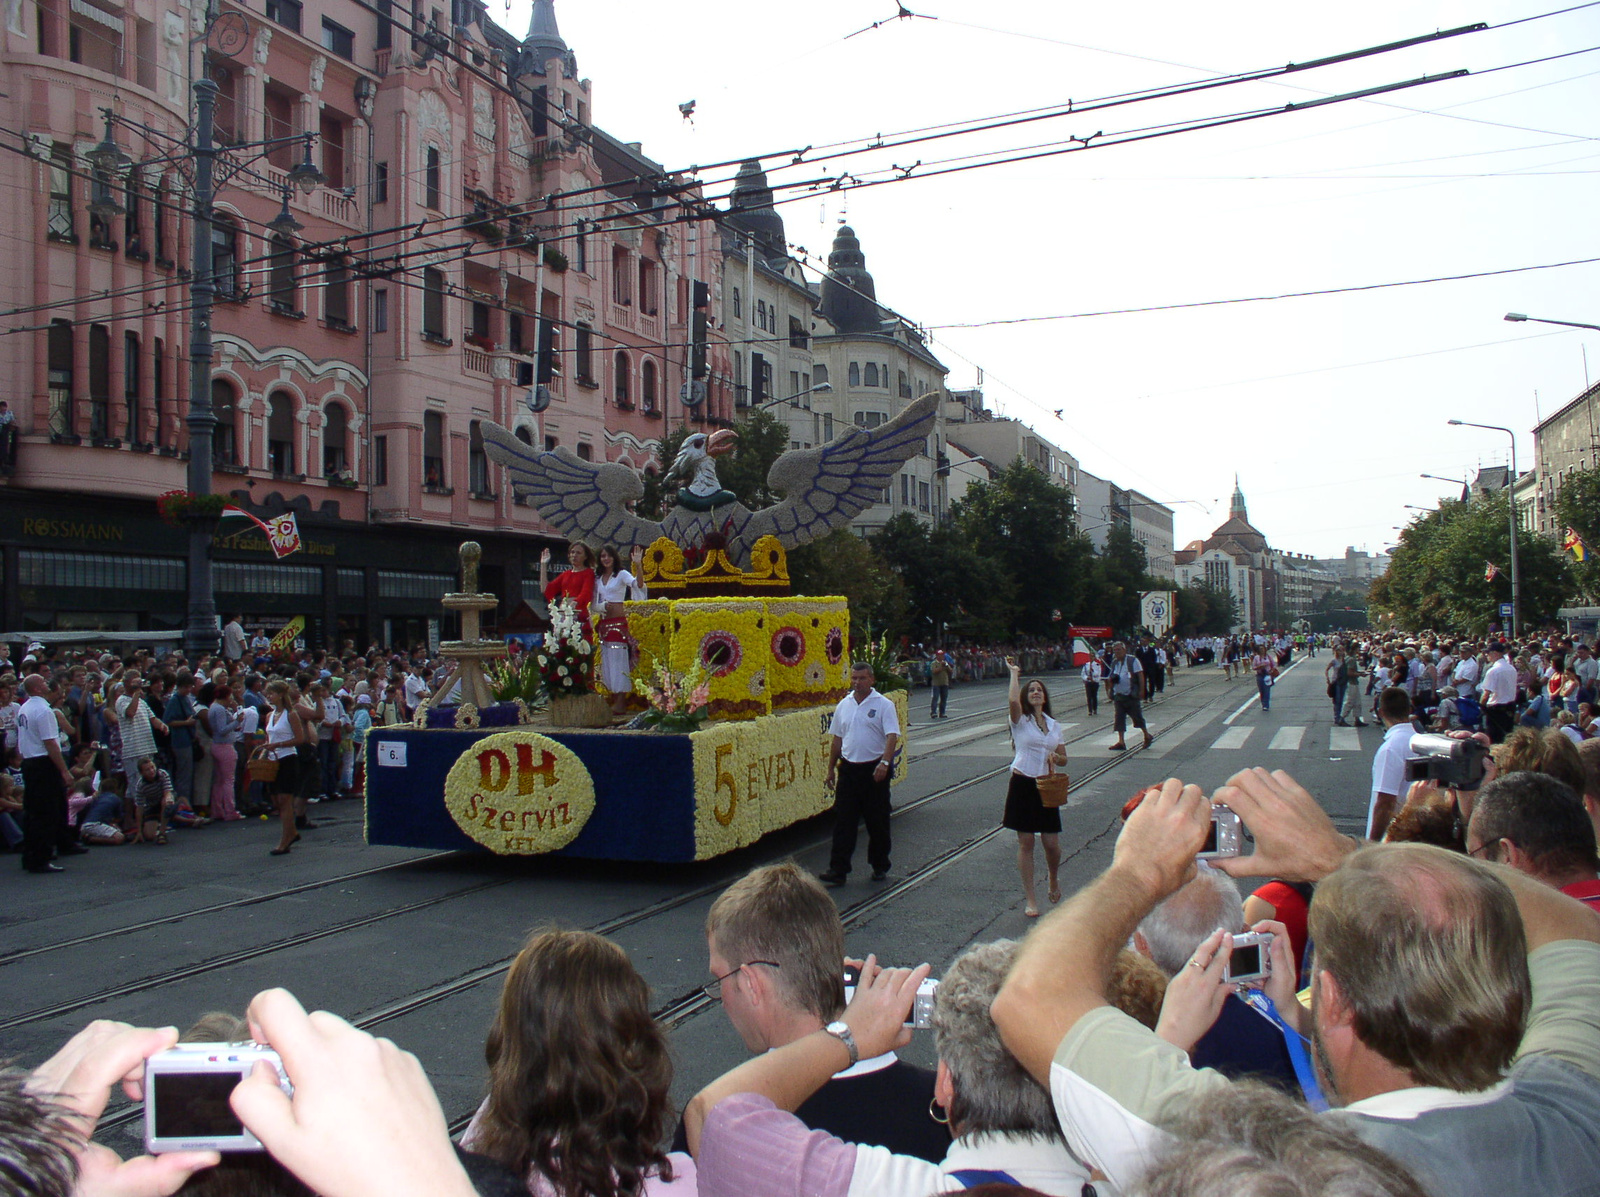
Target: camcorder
(1452, 763)
(1250, 960)
(1225, 836)
(921, 1008)
(186, 1092)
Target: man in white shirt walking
(1498, 693)
(866, 728)
(45, 778)
(1389, 765)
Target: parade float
(735, 678)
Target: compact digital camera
(1225, 836)
(921, 1008)
(1452, 763)
(186, 1092)
(1250, 960)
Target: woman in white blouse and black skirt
(1037, 738)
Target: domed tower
(849, 299)
(544, 40)
(752, 211)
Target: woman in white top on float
(613, 586)
(1037, 738)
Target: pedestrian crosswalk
(1289, 739)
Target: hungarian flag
(283, 532)
(1573, 543)
(1491, 571)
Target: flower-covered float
(734, 677)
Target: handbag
(263, 767)
(1053, 786)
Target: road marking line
(1168, 740)
(1244, 706)
(1343, 739)
(1234, 737)
(1287, 739)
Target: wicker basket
(263, 768)
(580, 710)
(1053, 787)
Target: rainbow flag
(1573, 543)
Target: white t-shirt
(36, 723)
(1033, 746)
(416, 690)
(1499, 683)
(233, 640)
(1466, 673)
(864, 727)
(1389, 765)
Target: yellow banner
(755, 776)
(291, 632)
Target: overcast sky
(1328, 407)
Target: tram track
(673, 1014)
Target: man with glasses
(776, 956)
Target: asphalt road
(414, 944)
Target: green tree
(842, 563)
(653, 504)
(950, 586)
(762, 440)
(1025, 522)
(1121, 572)
(1578, 507)
(1437, 573)
(1338, 609)
(1205, 610)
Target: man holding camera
(776, 949)
(1455, 1010)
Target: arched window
(819, 374)
(224, 405)
(855, 374)
(647, 385)
(524, 435)
(431, 181)
(620, 382)
(280, 277)
(872, 374)
(335, 440)
(280, 433)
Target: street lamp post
(1511, 502)
(1518, 318)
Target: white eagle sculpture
(824, 488)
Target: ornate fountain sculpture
(472, 650)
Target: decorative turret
(849, 299)
(1236, 509)
(752, 211)
(544, 40)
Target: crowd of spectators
(1428, 1022)
(152, 741)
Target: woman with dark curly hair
(579, 1076)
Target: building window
(281, 282)
(583, 353)
(477, 462)
(478, 325)
(736, 311)
(433, 304)
(380, 179)
(285, 13)
(585, 451)
(819, 374)
(855, 374)
(280, 434)
(60, 219)
(580, 250)
(827, 426)
(158, 221)
(380, 310)
(59, 347)
(922, 496)
(383, 38)
(336, 293)
(872, 374)
(514, 338)
(905, 386)
(761, 313)
(131, 364)
(647, 287)
(621, 276)
(277, 107)
(647, 385)
(248, 577)
(798, 337)
(430, 177)
(158, 371)
(332, 129)
(133, 220)
(432, 449)
(223, 445)
(620, 379)
(100, 572)
(380, 461)
(335, 440)
(338, 40)
(99, 381)
(225, 258)
(399, 584)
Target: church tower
(1236, 509)
(849, 298)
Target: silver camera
(1225, 836)
(186, 1091)
(921, 1008)
(1250, 960)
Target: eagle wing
(583, 500)
(828, 486)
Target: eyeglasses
(713, 988)
(1484, 847)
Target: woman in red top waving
(576, 583)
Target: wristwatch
(841, 1032)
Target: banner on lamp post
(1155, 610)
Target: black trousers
(44, 810)
(1498, 720)
(858, 796)
(1091, 691)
